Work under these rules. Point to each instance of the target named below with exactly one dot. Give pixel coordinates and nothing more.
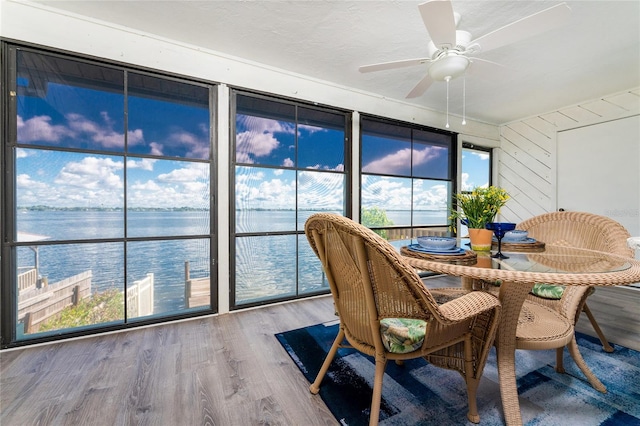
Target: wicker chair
(378, 296)
(582, 230)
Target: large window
(107, 201)
(407, 178)
(289, 163)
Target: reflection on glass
(265, 268)
(165, 277)
(68, 286)
(68, 103)
(167, 118)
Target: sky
(67, 117)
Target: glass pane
(431, 155)
(157, 276)
(388, 198)
(265, 132)
(319, 192)
(69, 286)
(310, 273)
(386, 148)
(67, 103)
(320, 140)
(476, 168)
(167, 198)
(265, 268)
(431, 201)
(265, 199)
(167, 118)
(67, 195)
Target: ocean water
(266, 266)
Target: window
(476, 171)
(289, 163)
(108, 206)
(407, 179)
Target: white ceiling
(596, 53)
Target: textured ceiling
(596, 53)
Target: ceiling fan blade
(393, 65)
(485, 69)
(438, 17)
(526, 27)
(421, 87)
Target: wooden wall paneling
(629, 101)
(540, 139)
(603, 108)
(559, 120)
(580, 115)
(543, 126)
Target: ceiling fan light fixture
(451, 66)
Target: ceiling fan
(451, 51)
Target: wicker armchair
(582, 230)
(378, 298)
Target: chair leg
(559, 360)
(472, 382)
(577, 358)
(605, 344)
(381, 363)
(315, 386)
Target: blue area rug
(420, 394)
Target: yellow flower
(480, 206)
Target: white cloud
(143, 164)
(77, 127)
(39, 128)
(91, 173)
(401, 159)
(258, 139)
(191, 173)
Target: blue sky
(72, 117)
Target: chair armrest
(468, 305)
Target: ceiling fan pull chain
(464, 100)
(447, 79)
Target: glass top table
(517, 274)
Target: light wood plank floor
(221, 370)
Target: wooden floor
(222, 370)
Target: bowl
(501, 226)
(437, 243)
(516, 235)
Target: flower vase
(480, 239)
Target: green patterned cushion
(402, 335)
(548, 291)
